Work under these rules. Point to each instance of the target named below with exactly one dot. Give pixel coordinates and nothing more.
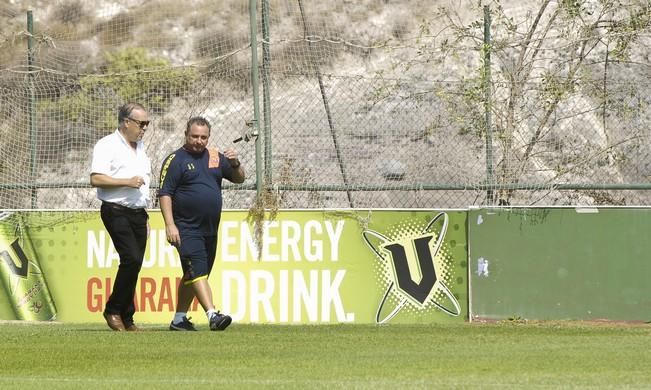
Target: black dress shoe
(114, 322)
(132, 328)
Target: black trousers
(128, 230)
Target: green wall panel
(560, 263)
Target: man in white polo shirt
(121, 171)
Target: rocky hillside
(380, 95)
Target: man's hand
(136, 182)
(231, 155)
(173, 236)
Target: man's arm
(172, 232)
(238, 173)
(106, 181)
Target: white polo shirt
(113, 156)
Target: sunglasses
(141, 124)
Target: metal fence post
(266, 104)
(486, 83)
(33, 132)
(254, 88)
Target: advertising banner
(305, 267)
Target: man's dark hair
(197, 120)
(126, 109)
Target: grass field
(497, 355)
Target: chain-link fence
(364, 104)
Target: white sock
(178, 317)
(210, 312)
